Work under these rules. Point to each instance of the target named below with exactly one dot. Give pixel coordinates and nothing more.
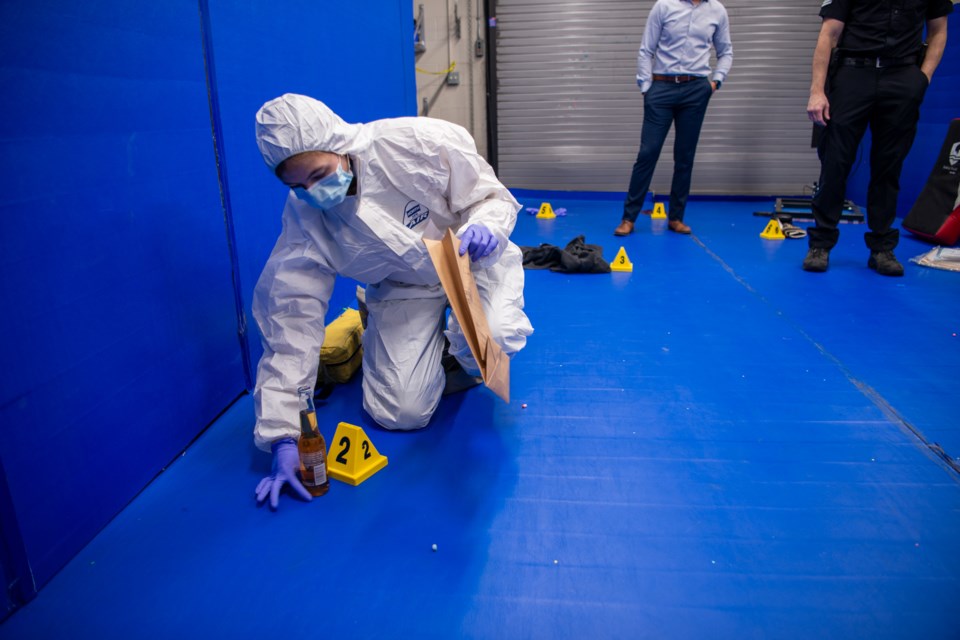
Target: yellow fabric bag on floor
(342, 350)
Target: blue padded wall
(355, 56)
(940, 105)
(6, 602)
(118, 314)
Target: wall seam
(220, 156)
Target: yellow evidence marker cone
(621, 262)
(546, 212)
(659, 213)
(773, 231)
(352, 457)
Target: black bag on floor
(576, 257)
(935, 216)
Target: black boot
(817, 260)
(457, 378)
(885, 263)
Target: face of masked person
(327, 192)
(318, 178)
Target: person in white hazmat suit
(361, 198)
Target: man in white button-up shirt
(673, 72)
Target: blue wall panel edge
(222, 175)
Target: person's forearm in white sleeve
(290, 305)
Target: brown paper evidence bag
(461, 290)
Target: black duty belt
(878, 63)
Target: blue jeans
(665, 103)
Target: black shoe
(457, 379)
(885, 263)
(817, 260)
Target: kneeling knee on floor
(404, 413)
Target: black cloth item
(576, 257)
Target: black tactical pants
(888, 100)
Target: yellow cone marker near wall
(546, 212)
(352, 457)
(621, 262)
(773, 231)
(659, 213)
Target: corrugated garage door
(569, 111)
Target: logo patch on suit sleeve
(414, 213)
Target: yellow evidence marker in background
(773, 231)
(659, 213)
(546, 212)
(352, 457)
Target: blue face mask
(328, 192)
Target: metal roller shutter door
(569, 111)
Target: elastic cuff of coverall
(265, 444)
(277, 443)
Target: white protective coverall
(412, 174)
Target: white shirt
(677, 41)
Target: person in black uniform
(870, 67)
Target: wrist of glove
(478, 241)
(286, 463)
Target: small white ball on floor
(434, 547)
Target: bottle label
(316, 469)
(320, 474)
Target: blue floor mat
(717, 444)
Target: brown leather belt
(676, 79)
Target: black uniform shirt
(883, 28)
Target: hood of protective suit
(292, 124)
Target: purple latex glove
(478, 240)
(286, 462)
